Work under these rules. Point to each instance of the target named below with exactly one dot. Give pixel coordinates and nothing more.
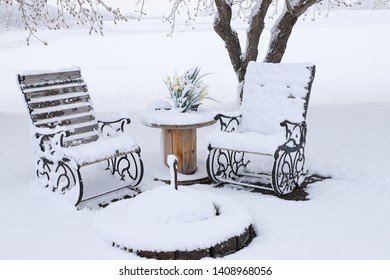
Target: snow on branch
(190, 10)
(328, 5)
(380, 4)
(242, 9)
(171, 18)
(37, 13)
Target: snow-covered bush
(10, 18)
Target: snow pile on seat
(165, 219)
(246, 142)
(273, 93)
(101, 149)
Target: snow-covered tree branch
(55, 14)
(254, 12)
(381, 4)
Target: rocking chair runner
(67, 135)
(270, 122)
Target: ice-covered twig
(54, 15)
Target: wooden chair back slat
(61, 99)
(67, 121)
(59, 102)
(60, 113)
(45, 78)
(53, 91)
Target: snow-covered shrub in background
(10, 18)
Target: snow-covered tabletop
(159, 114)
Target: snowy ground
(348, 122)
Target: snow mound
(164, 219)
(166, 205)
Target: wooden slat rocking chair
(67, 136)
(270, 124)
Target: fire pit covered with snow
(165, 223)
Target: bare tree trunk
(280, 34)
(256, 27)
(222, 26)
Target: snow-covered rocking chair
(271, 124)
(67, 136)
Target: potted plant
(187, 90)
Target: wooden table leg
(182, 144)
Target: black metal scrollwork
(109, 129)
(295, 134)
(43, 171)
(288, 170)
(228, 123)
(128, 167)
(226, 164)
(59, 176)
(289, 159)
(65, 177)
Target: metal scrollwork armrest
(49, 142)
(113, 128)
(295, 133)
(228, 123)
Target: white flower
(187, 90)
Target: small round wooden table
(179, 136)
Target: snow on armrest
(229, 121)
(295, 132)
(229, 114)
(47, 141)
(112, 117)
(113, 124)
